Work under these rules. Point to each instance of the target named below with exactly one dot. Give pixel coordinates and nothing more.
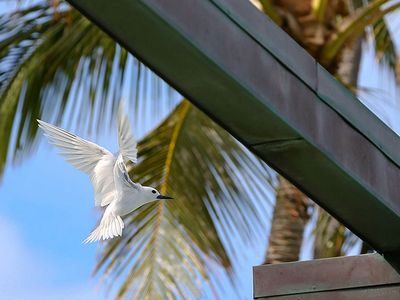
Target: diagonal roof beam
(254, 80)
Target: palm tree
(50, 56)
(332, 32)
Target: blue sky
(46, 210)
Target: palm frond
(319, 9)
(353, 26)
(270, 10)
(329, 236)
(332, 238)
(50, 56)
(171, 246)
(385, 49)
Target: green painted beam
(249, 76)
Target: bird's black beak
(164, 197)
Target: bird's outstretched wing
(126, 140)
(86, 156)
(121, 177)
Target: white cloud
(26, 275)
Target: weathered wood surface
(332, 278)
(381, 293)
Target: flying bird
(112, 185)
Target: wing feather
(86, 156)
(121, 177)
(127, 142)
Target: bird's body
(129, 195)
(112, 186)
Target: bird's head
(153, 194)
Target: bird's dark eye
(153, 191)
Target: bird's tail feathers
(110, 226)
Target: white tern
(112, 186)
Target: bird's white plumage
(126, 141)
(111, 225)
(121, 177)
(112, 186)
(86, 156)
(82, 154)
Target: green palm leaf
(169, 248)
(52, 52)
(385, 48)
(353, 26)
(331, 237)
(319, 9)
(270, 10)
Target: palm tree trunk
(289, 220)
